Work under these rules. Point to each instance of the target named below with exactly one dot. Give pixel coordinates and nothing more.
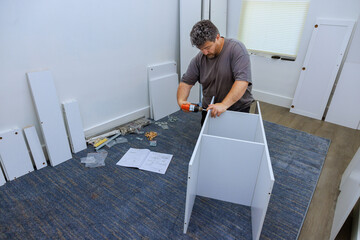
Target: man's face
(211, 49)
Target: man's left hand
(216, 109)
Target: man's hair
(203, 31)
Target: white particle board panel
(218, 15)
(2, 178)
(191, 191)
(262, 139)
(323, 59)
(157, 71)
(264, 182)
(354, 49)
(35, 147)
(49, 114)
(193, 172)
(225, 174)
(15, 158)
(262, 192)
(349, 194)
(346, 201)
(74, 126)
(236, 125)
(353, 165)
(163, 95)
(190, 13)
(344, 107)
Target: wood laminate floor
(344, 144)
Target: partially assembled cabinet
(231, 163)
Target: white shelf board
(163, 95)
(35, 147)
(49, 114)
(74, 126)
(14, 154)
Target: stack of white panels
(163, 83)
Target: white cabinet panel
(74, 126)
(349, 194)
(163, 96)
(14, 154)
(224, 173)
(163, 83)
(323, 59)
(344, 108)
(49, 114)
(35, 147)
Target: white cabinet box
(231, 163)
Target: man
(222, 67)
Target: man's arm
(183, 93)
(236, 92)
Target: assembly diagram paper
(145, 159)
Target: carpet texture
(70, 201)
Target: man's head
(205, 36)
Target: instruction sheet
(145, 159)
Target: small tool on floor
(192, 108)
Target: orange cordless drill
(192, 108)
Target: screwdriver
(192, 108)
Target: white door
(323, 59)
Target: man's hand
(182, 103)
(216, 109)
(236, 92)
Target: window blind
(272, 27)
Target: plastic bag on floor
(96, 159)
(89, 159)
(121, 140)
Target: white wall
(97, 51)
(275, 81)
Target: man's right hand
(182, 103)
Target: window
(272, 27)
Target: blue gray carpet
(70, 201)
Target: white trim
(117, 121)
(272, 98)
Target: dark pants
(246, 110)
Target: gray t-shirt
(217, 75)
